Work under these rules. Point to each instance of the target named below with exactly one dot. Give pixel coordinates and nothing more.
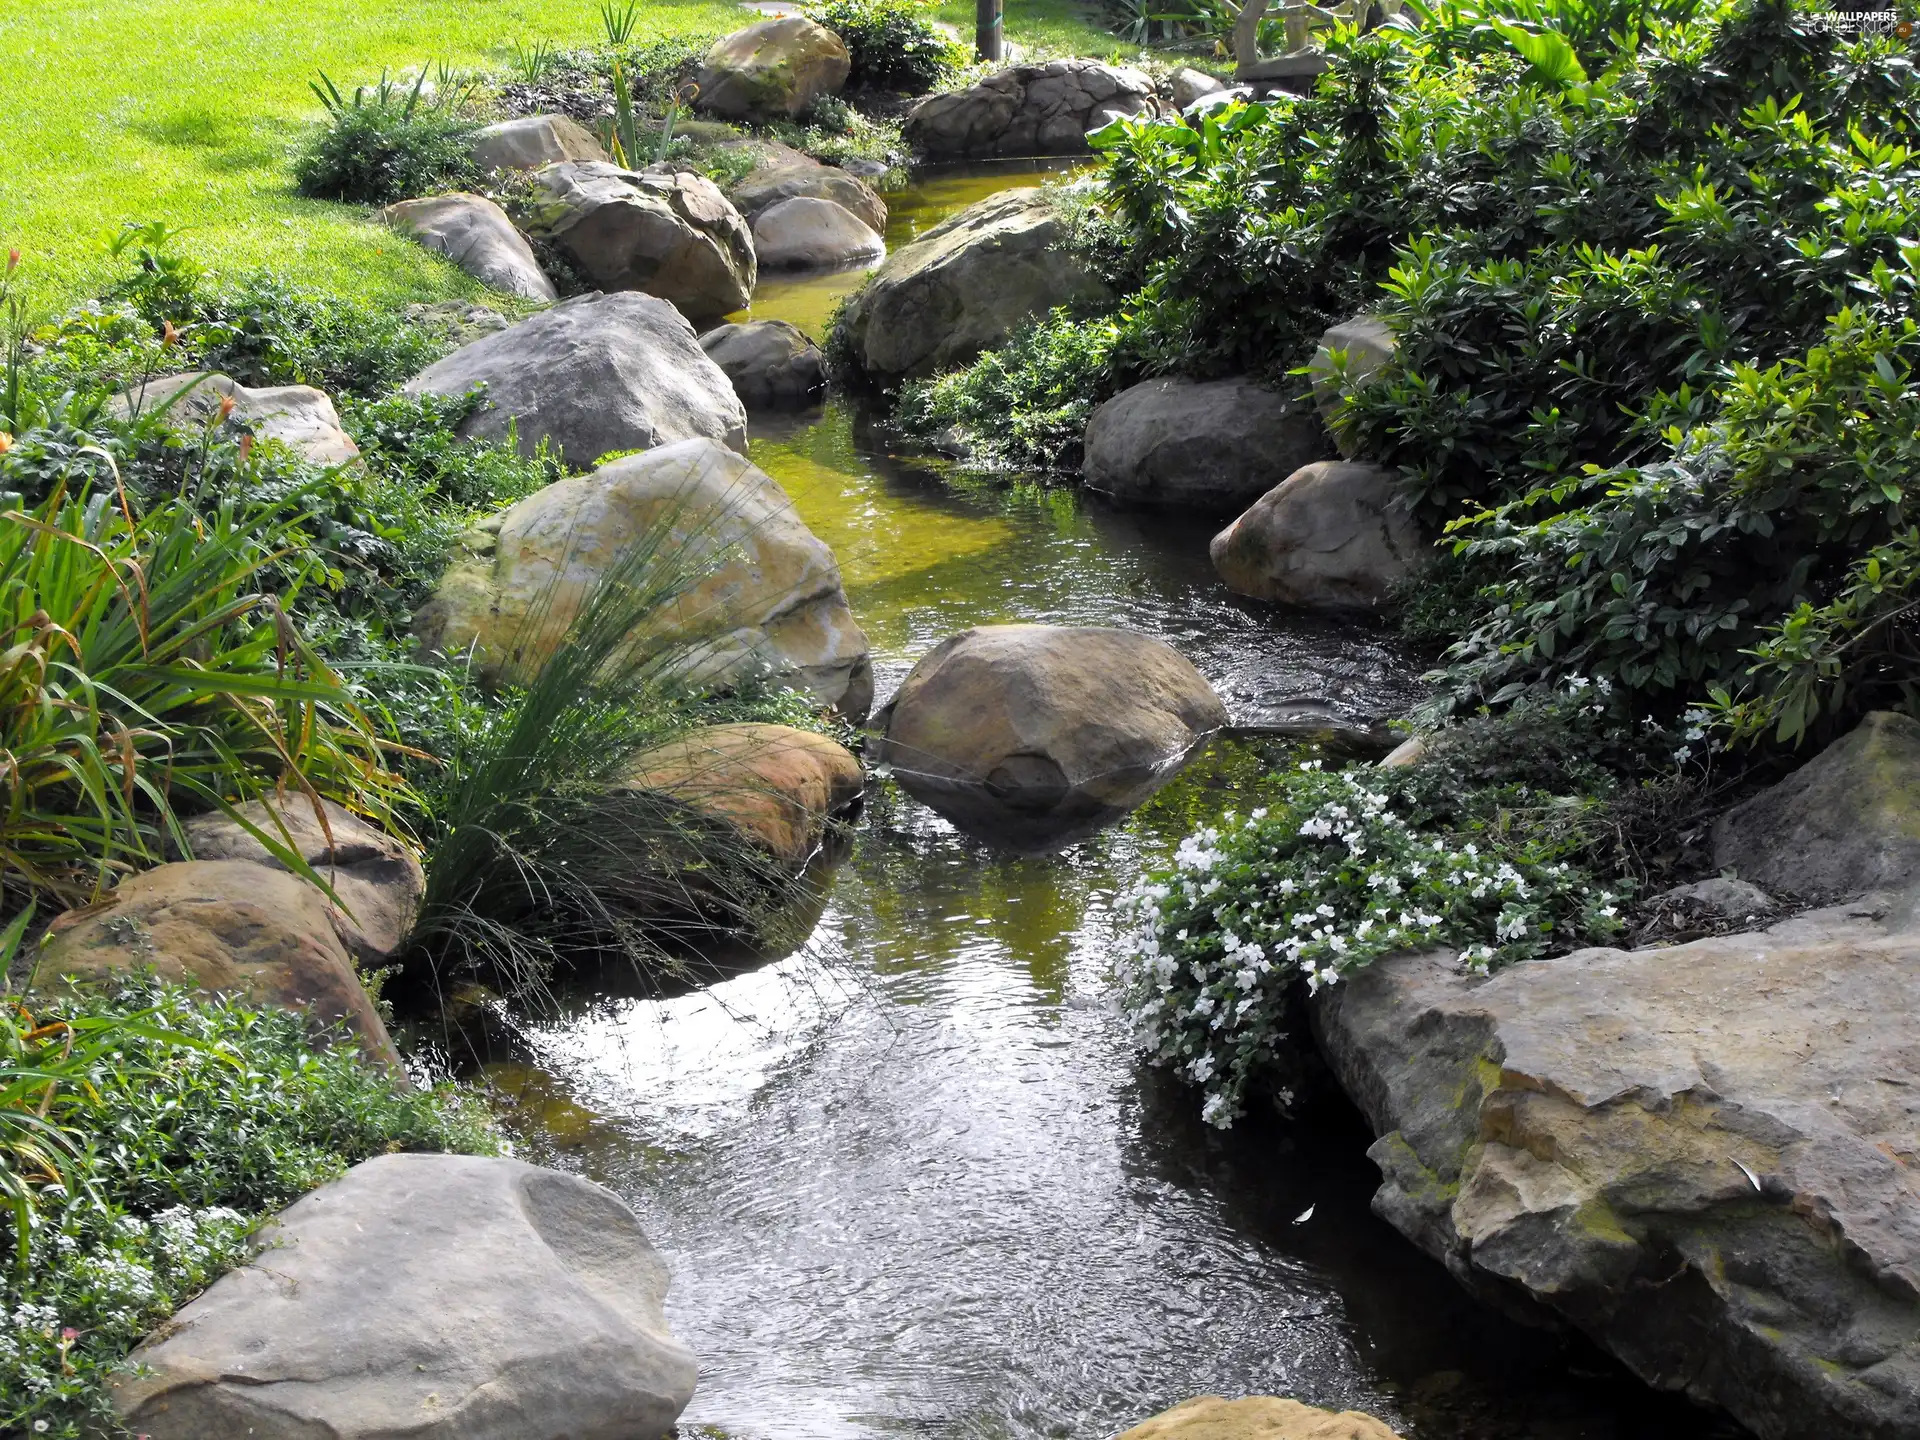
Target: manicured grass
(187, 111)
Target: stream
(909, 1178)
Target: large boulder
(669, 233)
(1257, 1417)
(772, 364)
(806, 233)
(776, 68)
(1187, 85)
(1042, 109)
(531, 141)
(769, 602)
(1206, 447)
(1701, 1156)
(229, 927)
(1033, 735)
(297, 416)
(1334, 535)
(376, 880)
(594, 374)
(439, 1297)
(965, 286)
(475, 234)
(775, 785)
(1846, 821)
(1346, 360)
(765, 188)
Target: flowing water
(909, 1178)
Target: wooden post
(987, 29)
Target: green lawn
(187, 111)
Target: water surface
(910, 1179)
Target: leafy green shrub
(146, 667)
(1767, 559)
(261, 329)
(1024, 405)
(181, 1123)
(385, 144)
(892, 44)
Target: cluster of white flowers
(1311, 891)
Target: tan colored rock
(806, 233)
(231, 927)
(671, 234)
(776, 785)
(1364, 344)
(1702, 1156)
(531, 141)
(475, 234)
(377, 879)
(1257, 1417)
(297, 416)
(1332, 536)
(437, 1297)
(776, 68)
(770, 603)
(764, 188)
(965, 286)
(1846, 821)
(1033, 735)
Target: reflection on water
(927, 553)
(910, 1181)
(909, 1178)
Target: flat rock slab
(437, 1297)
(1703, 1157)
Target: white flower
(1245, 978)
(1200, 1069)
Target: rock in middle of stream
(1032, 736)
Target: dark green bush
(892, 43)
(1024, 405)
(385, 144)
(172, 1153)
